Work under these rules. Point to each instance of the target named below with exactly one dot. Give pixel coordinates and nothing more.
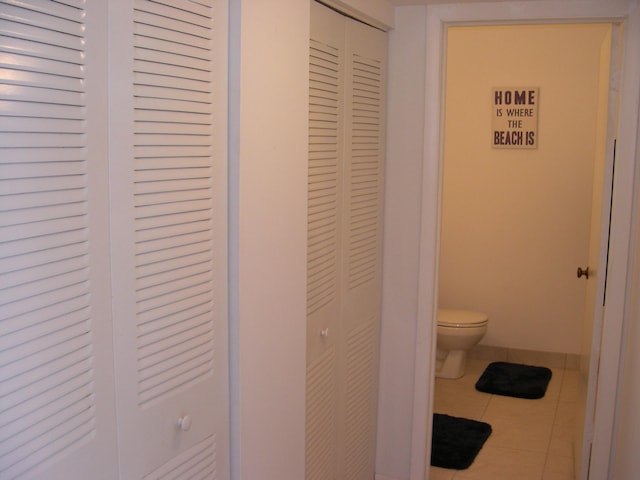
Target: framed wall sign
(515, 117)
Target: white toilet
(458, 331)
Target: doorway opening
(434, 130)
(518, 217)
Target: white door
(56, 365)
(113, 225)
(325, 164)
(361, 272)
(168, 236)
(597, 260)
(347, 62)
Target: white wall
(515, 222)
(268, 237)
(269, 44)
(405, 127)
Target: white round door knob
(184, 423)
(324, 332)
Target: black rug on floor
(456, 441)
(514, 380)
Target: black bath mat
(514, 380)
(456, 441)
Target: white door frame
(439, 18)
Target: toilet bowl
(458, 331)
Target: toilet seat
(455, 318)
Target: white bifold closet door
(113, 316)
(347, 62)
(168, 236)
(56, 364)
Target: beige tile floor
(531, 439)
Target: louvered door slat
(188, 213)
(41, 289)
(42, 231)
(175, 377)
(53, 177)
(189, 256)
(176, 232)
(59, 411)
(149, 101)
(168, 257)
(56, 199)
(29, 112)
(27, 252)
(48, 360)
(168, 326)
(166, 173)
(30, 406)
(150, 37)
(173, 151)
(24, 84)
(16, 344)
(45, 65)
(40, 316)
(151, 354)
(169, 92)
(76, 419)
(65, 396)
(195, 18)
(33, 304)
(197, 463)
(25, 37)
(185, 57)
(53, 16)
(177, 298)
(171, 129)
(41, 125)
(70, 207)
(175, 242)
(50, 50)
(62, 439)
(173, 117)
(169, 280)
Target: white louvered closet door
(56, 390)
(326, 134)
(168, 186)
(123, 201)
(361, 271)
(346, 160)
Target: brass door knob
(584, 272)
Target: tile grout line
(553, 424)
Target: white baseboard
(384, 477)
